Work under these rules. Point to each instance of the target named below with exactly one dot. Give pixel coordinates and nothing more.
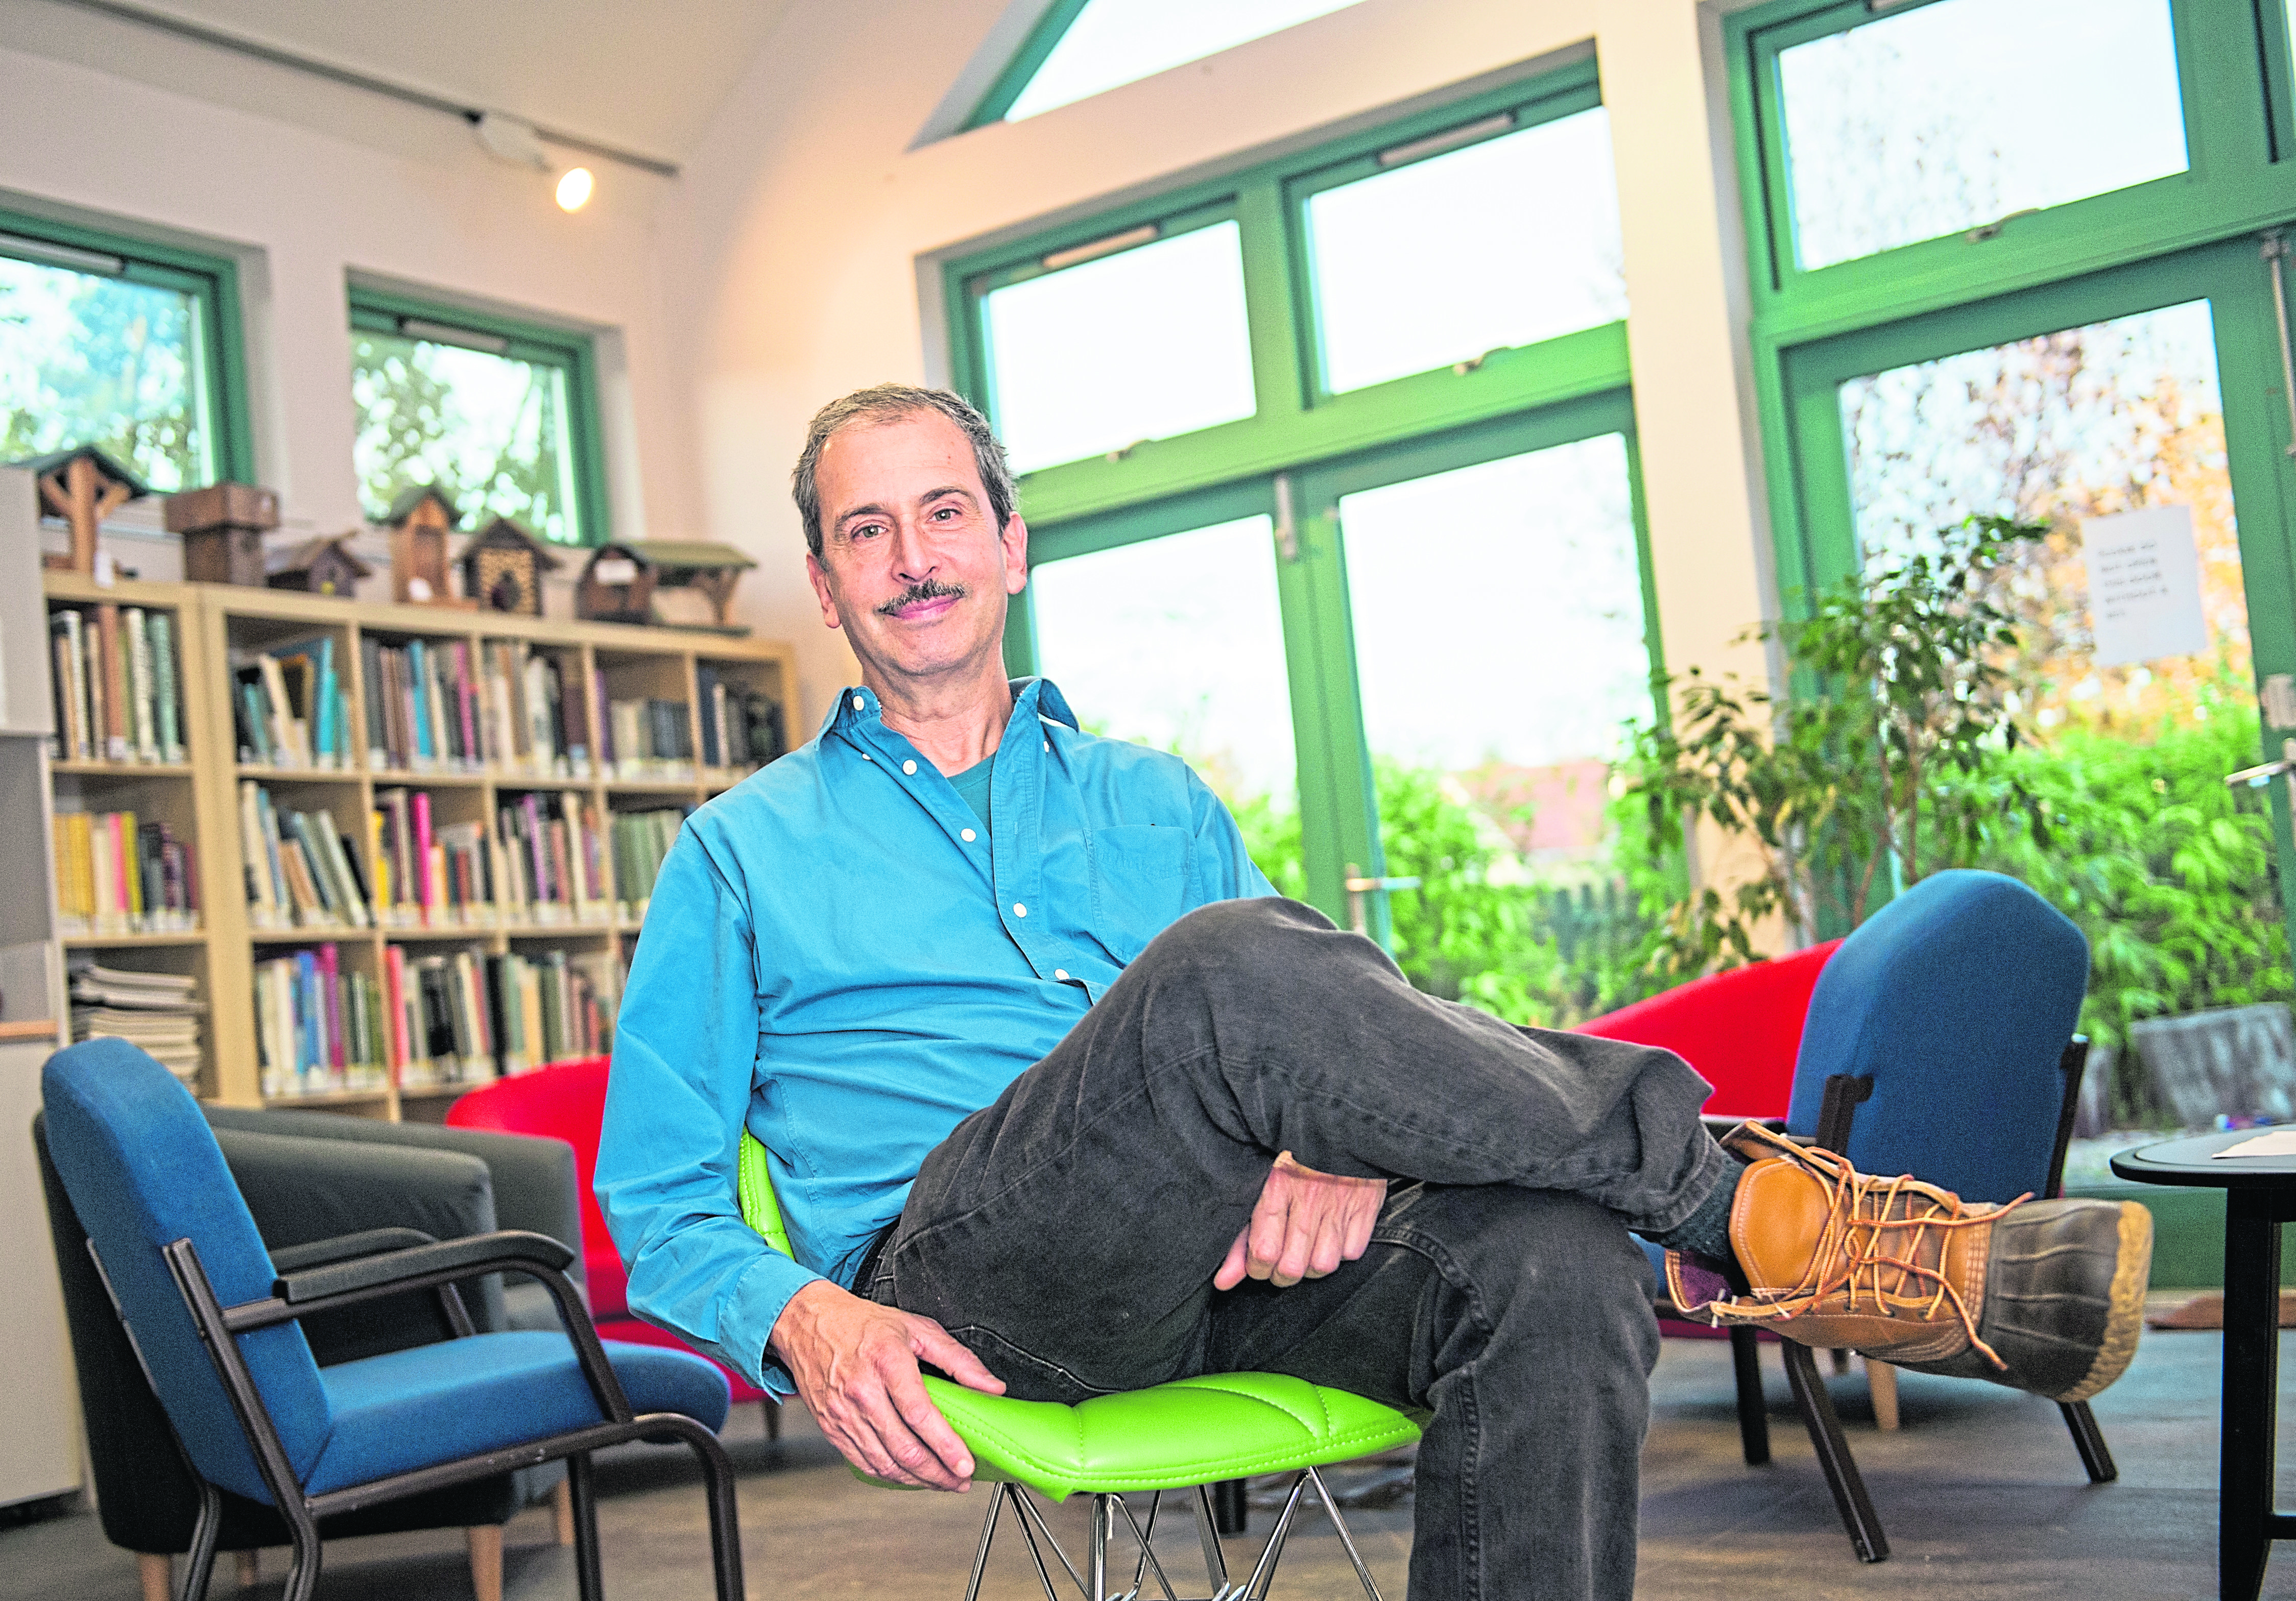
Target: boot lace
(1863, 1244)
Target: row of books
(640, 841)
(118, 875)
(291, 706)
(553, 860)
(428, 1021)
(116, 680)
(648, 739)
(301, 871)
(445, 707)
(740, 727)
(158, 1012)
(429, 874)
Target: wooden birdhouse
(617, 586)
(420, 520)
(83, 487)
(323, 567)
(502, 568)
(223, 527)
(694, 581)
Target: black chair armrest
(514, 1249)
(368, 1242)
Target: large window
(1081, 48)
(500, 415)
(128, 347)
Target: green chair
(1185, 1435)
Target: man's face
(913, 566)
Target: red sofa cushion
(1741, 1030)
(566, 1101)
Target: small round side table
(2260, 1196)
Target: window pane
(1177, 642)
(1932, 120)
(1114, 42)
(90, 360)
(1141, 345)
(1506, 242)
(491, 431)
(2060, 430)
(1499, 630)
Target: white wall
(404, 197)
(792, 243)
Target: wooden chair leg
(248, 1566)
(155, 1571)
(1840, 1360)
(562, 1511)
(486, 1560)
(1753, 1412)
(1882, 1379)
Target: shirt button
(858, 703)
(908, 767)
(867, 757)
(1062, 974)
(965, 835)
(1048, 745)
(1020, 911)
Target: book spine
(167, 685)
(115, 683)
(143, 721)
(466, 707)
(326, 713)
(429, 896)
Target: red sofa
(1741, 1030)
(567, 1100)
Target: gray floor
(1981, 1492)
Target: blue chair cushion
(410, 1409)
(1957, 998)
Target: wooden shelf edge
(29, 1028)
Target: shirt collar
(857, 706)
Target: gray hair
(889, 403)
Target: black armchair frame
(1836, 1117)
(348, 1279)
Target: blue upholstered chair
(1939, 1043)
(215, 1328)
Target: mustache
(931, 589)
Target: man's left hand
(1304, 1225)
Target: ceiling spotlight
(574, 189)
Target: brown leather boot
(2047, 1297)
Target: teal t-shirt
(971, 787)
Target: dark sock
(1705, 1233)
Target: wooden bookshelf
(199, 797)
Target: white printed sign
(2145, 585)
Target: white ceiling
(644, 77)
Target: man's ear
(1014, 540)
(819, 577)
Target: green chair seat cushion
(1191, 1430)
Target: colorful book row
(740, 727)
(117, 682)
(116, 875)
(446, 706)
(291, 706)
(640, 841)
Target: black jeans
(1068, 1233)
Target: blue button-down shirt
(838, 956)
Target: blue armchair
(215, 1328)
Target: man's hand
(856, 1367)
(1304, 1225)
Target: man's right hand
(856, 1367)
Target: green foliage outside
(489, 430)
(89, 360)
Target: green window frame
(2234, 64)
(382, 311)
(1034, 52)
(219, 353)
(1296, 422)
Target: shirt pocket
(1139, 884)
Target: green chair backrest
(759, 1208)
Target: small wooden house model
(694, 581)
(323, 567)
(83, 487)
(419, 521)
(617, 586)
(503, 567)
(223, 527)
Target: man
(1062, 1100)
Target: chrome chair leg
(1332, 1509)
(987, 1534)
(1263, 1572)
(1208, 1531)
(1030, 1515)
(1098, 1558)
(1043, 1574)
(1147, 1551)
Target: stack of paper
(155, 1011)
